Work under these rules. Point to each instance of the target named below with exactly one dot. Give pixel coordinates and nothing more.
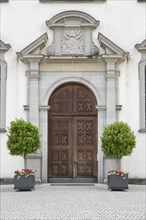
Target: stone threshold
(72, 184)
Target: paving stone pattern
(73, 203)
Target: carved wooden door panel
(60, 144)
(72, 134)
(85, 147)
(85, 133)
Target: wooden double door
(72, 137)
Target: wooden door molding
(72, 140)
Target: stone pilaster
(34, 92)
(33, 87)
(34, 161)
(111, 90)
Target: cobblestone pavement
(73, 203)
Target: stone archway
(72, 135)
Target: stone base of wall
(6, 181)
(137, 181)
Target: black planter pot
(118, 182)
(23, 182)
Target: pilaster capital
(32, 58)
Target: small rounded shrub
(23, 138)
(118, 139)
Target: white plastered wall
(121, 21)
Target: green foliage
(118, 139)
(23, 138)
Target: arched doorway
(72, 135)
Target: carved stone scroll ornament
(50, 50)
(94, 49)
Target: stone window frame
(3, 78)
(142, 85)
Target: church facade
(71, 67)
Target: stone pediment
(3, 48)
(141, 47)
(72, 34)
(72, 18)
(110, 48)
(35, 47)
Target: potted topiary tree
(23, 139)
(117, 140)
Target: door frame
(73, 178)
(43, 120)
